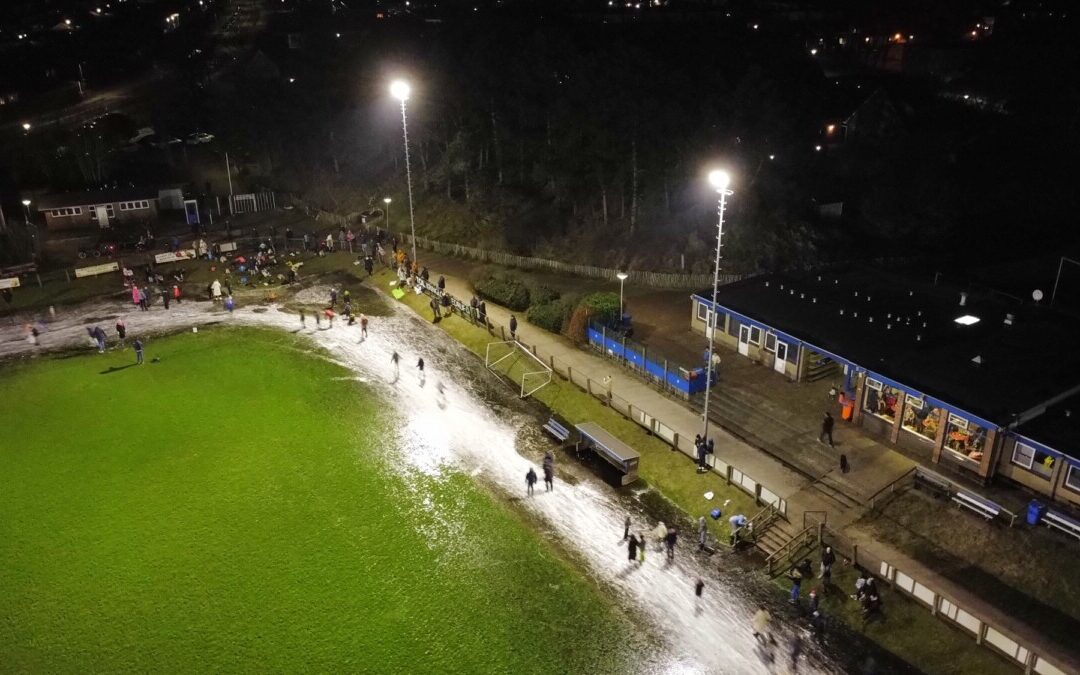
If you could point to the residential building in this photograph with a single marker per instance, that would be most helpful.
(101, 208)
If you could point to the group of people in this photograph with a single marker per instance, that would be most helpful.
(704, 448)
(548, 468)
(99, 340)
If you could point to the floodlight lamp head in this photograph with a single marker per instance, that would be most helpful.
(719, 179)
(622, 276)
(400, 90)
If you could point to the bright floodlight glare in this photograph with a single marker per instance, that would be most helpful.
(719, 179)
(386, 200)
(26, 202)
(400, 89)
(26, 126)
(967, 320)
(621, 276)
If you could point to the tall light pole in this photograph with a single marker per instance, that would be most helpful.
(386, 216)
(400, 90)
(621, 276)
(720, 180)
(26, 209)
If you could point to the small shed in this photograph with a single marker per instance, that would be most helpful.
(615, 452)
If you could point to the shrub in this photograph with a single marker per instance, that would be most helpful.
(542, 295)
(576, 326)
(602, 307)
(548, 315)
(509, 293)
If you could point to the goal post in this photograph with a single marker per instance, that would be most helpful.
(518, 364)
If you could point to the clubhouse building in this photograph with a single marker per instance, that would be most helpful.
(976, 381)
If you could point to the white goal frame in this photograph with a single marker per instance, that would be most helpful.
(517, 347)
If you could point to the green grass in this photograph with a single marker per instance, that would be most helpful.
(233, 508)
(910, 631)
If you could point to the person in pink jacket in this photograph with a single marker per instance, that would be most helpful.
(135, 293)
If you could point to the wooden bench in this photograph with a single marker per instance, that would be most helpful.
(987, 510)
(1062, 522)
(937, 485)
(557, 430)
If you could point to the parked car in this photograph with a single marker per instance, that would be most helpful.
(199, 138)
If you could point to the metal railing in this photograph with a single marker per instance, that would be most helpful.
(796, 543)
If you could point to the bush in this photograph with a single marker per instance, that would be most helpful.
(542, 295)
(577, 324)
(509, 293)
(548, 315)
(602, 307)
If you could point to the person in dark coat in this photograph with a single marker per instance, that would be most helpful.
(826, 429)
(513, 327)
(121, 329)
(670, 540)
(442, 283)
(165, 297)
(828, 559)
(631, 549)
(530, 480)
(549, 472)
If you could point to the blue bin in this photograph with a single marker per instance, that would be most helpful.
(1035, 512)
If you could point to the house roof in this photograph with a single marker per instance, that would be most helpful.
(906, 330)
(1058, 428)
(60, 200)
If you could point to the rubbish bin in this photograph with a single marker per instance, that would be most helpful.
(1035, 512)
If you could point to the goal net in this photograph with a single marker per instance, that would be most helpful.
(514, 361)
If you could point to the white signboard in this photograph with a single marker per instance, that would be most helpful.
(182, 254)
(228, 247)
(96, 269)
(10, 282)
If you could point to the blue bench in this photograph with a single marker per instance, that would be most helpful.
(558, 431)
(1060, 521)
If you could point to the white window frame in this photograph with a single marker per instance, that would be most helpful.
(760, 332)
(769, 335)
(915, 402)
(1031, 457)
(1069, 475)
(876, 385)
(109, 211)
(702, 308)
(958, 422)
(136, 205)
(66, 212)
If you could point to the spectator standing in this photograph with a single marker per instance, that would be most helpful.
(363, 325)
(165, 297)
(826, 429)
(513, 327)
(530, 481)
(138, 345)
(121, 330)
(549, 472)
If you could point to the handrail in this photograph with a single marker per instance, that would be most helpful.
(791, 545)
(891, 485)
(767, 515)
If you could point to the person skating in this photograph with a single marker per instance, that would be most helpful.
(702, 534)
(230, 304)
(670, 540)
(369, 265)
(138, 345)
(513, 327)
(99, 338)
(144, 300)
(395, 359)
(530, 481)
(121, 330)
(844, 467)
(795, 651)
(549, 472)
(215, 290)
(165, 297)
(318, 320)
(363, 326)
(826, 429)
(760, 623)
(333, 297)
(632, 548)
(303, 319)
(177, 294)
(626, 529)
(135, 295)
(420, 366)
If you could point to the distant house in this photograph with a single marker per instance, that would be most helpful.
(101, 208)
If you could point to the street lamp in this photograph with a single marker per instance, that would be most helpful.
(26, 127)
(720, 180)
(386, 216)
(621, 276)
(26, 209)
(400, 90)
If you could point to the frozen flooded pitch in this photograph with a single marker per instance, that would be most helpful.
(450, 427)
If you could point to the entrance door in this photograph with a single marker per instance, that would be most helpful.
(744, 340)
(780, 363)
(710, 319)
(102, 216)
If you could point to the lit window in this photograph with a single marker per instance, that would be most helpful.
(1072, 478)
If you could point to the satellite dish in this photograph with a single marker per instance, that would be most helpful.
(1037, 295)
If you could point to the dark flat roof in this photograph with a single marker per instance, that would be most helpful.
(905, 330)
(1057, 428)
(60, 200)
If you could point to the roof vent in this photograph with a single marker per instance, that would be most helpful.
(978, 360)
(1009, 318)
(963, 298)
